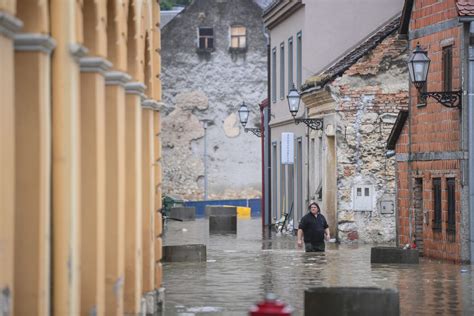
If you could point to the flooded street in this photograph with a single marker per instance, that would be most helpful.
(241, 268)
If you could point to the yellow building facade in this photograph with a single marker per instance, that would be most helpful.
(80, 157)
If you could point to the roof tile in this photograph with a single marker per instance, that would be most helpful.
(465, 7)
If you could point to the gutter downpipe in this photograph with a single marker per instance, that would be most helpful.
(266, 144)
(470, 116)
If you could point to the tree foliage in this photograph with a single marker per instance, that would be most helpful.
(169, 4)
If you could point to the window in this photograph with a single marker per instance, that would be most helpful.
(451, 227)
(299, 59)
(437, 204)
(447, 68)
(274, 180)
(206, 38)
(290, 63)
(274, 70)
(299, 179)
(282, 185)
(238, 38)
(282, 71)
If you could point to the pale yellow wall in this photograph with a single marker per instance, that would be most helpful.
(148, 180)
(92, 192)
(115, 198)
(33, 182)
(133, 204)
(65, 161)
(8, 6)
(7, 164)
(35, 16)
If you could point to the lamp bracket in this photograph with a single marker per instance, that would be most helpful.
(316, 124)
(255, 130)
(450, 99)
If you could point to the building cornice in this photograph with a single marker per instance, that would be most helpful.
(94, 64)
(117, 78)
(280, 11)
(78, 51)
(135, 88)
(430, 156)
(151, 104)
(9, 25)
(34, 42)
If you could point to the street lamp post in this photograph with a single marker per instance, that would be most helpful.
(418, 66)
(294, 99)
(244, 117)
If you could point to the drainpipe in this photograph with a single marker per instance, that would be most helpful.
(471, 140)
(264, 185)
(267, 142)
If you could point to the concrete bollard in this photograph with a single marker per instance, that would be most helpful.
(183, 213)
(366, 301)
(221, 224)
(220, 210)
(393, 255)
(185, 253)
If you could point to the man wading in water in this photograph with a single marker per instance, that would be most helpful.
(314, 227)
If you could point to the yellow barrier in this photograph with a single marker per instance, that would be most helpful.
(243, 212)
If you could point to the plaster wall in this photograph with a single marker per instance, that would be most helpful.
(212, 86)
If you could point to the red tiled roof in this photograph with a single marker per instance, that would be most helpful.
(465, 7)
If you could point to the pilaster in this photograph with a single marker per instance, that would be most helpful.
(33, 176)
(148, 228)
(115, 191)
(133, 197)
(9, 25)
(93, 184)
(66, 169)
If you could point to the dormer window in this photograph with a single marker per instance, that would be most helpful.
(206, 38)
(238, 37)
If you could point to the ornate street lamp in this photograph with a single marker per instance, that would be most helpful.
(294, 99)
(418, 66)
(244, 117)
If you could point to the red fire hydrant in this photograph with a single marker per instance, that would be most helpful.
(270, 306)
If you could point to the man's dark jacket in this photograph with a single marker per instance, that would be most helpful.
(313, 227)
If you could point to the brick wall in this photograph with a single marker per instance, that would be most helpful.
(431, 129)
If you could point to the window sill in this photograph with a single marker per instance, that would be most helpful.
(204, 50)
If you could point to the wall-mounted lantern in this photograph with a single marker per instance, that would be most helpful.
(418, 66)
(294, 99)
(244, 117)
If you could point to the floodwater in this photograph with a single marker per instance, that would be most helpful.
(242, 267)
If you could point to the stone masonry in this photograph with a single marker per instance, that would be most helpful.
(211, 85)
(368, 98)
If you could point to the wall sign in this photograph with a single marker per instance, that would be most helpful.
(287, 148)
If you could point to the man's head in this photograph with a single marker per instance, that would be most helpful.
(314, 208)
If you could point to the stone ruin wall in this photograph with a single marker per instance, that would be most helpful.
(369, 96)
(212, 86)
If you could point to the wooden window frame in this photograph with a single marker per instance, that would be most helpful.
(447, 64)
(451, 216)
(209, 43)
(437, 204)
(239, 38)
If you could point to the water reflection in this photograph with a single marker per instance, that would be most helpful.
(242, 267)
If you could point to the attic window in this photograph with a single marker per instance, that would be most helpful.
(206, 38)
(238, 38)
